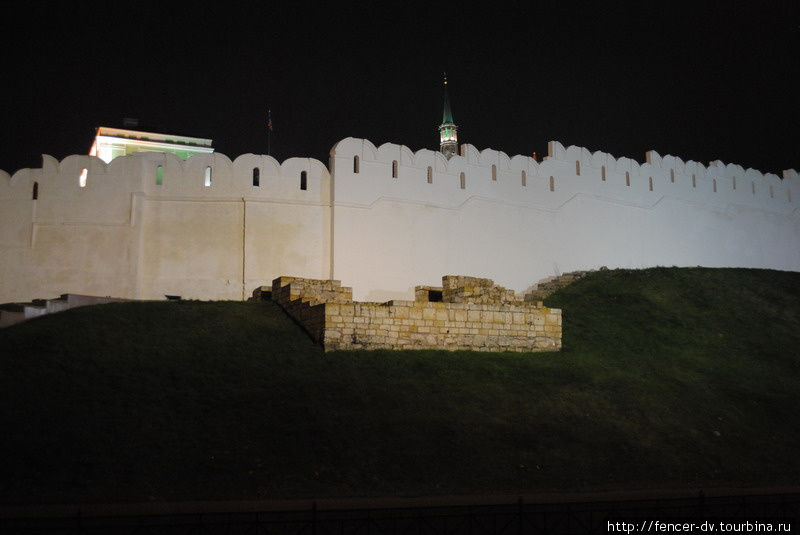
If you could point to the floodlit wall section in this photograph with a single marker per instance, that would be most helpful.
(151, 224)
(576, 210)
(70, 238)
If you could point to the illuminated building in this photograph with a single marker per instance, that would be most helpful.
(110, 143)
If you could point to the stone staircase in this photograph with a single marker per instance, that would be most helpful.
(546, 287)
(12, 313)
(303, 300)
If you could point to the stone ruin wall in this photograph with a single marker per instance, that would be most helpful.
(474, 314)
(305, 301)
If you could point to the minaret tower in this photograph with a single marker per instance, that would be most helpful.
(448, 131)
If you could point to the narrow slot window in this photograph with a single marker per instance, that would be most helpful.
(303, 180)
(552, 183)
(627, 178)
(394, 168)
(694, 181)
(355, 164)
(256, 177)
(578, 167)
(494, 172)
(651, 183)
(672, 175)
(430, 175)
(714, 184)
(82, 177)
(207, 179)
(603, 173)
(524, 178)
(35, 190)
(463, 179)
(159, 175)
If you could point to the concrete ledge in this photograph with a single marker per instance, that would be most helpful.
(12, 313)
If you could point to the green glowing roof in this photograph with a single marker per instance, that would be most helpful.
(447, 116)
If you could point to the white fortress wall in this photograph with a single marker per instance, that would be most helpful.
(391, 234)
(72, 238)
(204, 241)
(125, 235)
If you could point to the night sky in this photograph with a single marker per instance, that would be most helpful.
(717, 81)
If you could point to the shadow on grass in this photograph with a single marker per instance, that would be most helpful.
(668, 378)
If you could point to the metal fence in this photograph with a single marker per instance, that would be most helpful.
(500, 519)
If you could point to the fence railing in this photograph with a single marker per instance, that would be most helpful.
(514, 518)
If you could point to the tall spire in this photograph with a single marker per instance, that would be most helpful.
(448, 131)
(447, 116)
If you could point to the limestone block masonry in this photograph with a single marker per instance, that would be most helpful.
(473, 314)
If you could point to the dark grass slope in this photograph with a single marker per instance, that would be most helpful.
(679, 378)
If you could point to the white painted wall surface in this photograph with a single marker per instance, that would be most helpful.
(391, 234)
(124, 235)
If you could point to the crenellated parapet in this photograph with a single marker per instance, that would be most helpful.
(87, 179)
(468, 158)
(366, 174)
(690, 180)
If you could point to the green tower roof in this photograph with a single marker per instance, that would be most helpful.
(447, 116)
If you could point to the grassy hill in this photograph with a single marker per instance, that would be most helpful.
(669, 378)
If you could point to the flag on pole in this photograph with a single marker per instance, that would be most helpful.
(269, 131)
